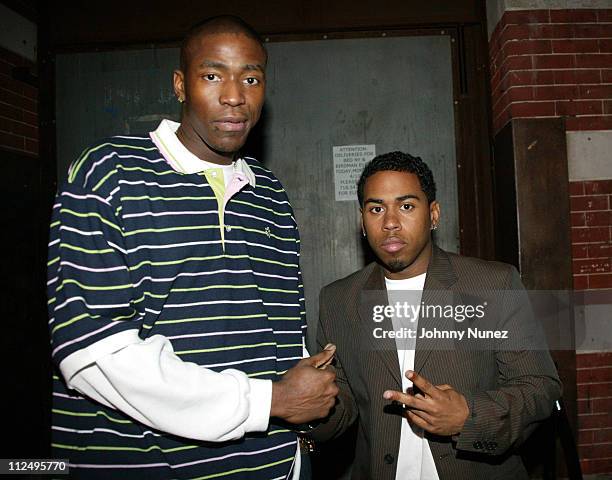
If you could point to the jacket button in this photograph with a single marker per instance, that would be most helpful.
(389, 458)
(477, 445)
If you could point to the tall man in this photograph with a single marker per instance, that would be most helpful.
(455, 407)
(175, 296)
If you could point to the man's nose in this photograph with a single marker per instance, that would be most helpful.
(232, 93)
(391, 221)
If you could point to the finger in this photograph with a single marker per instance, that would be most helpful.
(444, 387)
(422, 415)
(408, 400)
(424, 385)
(323, 358)
(418, 421)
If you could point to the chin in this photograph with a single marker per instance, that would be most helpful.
(396, 265)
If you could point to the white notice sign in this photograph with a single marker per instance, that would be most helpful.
(349, 161)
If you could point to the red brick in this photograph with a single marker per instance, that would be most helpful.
(578, 220)
(581, 107)
(500, 104)
(594, 390)
(592, 31)
(593, 202)
(585, 437)
(600, 281)
(588, 123)
(564, 77)
(11, 141)
(595, 91)
(590, 235)
(30, 118)
(593, 60)
(602, 435)
(576, 188)
(573, 16)
(562, 31)
(514, 32)
(583, 267)
(596, 359)
(555, 92)
(593, 467)
(595, 405)
(526, 16)
(599, 219)
(603, 450)
(526, 47)
(519, 94)
(8, 111)
(595, 420)
(18, 128)
(600, 251)
(581, 282)
(31, 146)
(545, 31)
(30, 92)
(579, 251)
(517, 63)
(575, 46)
(607, 107)
(532, 109)
(604, 15)
(554, 61)
(605, 45)
(588, 76)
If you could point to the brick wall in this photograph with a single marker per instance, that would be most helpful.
(18, 107)
(594, 372)
(551, 63)
(558, 63)
(591, 211)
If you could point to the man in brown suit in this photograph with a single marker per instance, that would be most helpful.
(465, 403)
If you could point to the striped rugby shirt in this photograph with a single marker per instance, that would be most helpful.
(139, 246)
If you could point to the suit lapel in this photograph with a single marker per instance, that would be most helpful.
(374, 294)
(436, 291)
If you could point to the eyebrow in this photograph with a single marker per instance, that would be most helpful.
(221, 65)
(397, 199)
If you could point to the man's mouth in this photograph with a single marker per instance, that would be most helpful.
(231, 124)
(392, 245)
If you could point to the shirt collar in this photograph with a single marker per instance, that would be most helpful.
(181, 159)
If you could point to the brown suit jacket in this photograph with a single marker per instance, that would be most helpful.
(510, 385)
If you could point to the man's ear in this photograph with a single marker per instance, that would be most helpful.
(178, 80)
(434, 213)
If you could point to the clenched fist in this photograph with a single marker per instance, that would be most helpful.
(307, 391)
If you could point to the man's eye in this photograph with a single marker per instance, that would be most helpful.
(211, 77)
(251, 81)
(407, 206)
(376, 209)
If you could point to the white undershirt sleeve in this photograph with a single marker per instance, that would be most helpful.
(146, 380)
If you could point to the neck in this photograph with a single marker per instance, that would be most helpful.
(196, 145)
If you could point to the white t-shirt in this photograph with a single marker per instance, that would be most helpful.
(415, 460)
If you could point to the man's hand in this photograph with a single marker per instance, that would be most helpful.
(307, 391)
(440, 409)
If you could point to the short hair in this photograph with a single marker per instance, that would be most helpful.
(399, 162)
(217, 24)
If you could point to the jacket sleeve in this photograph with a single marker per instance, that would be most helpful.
(528, 381)
(345, 411)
